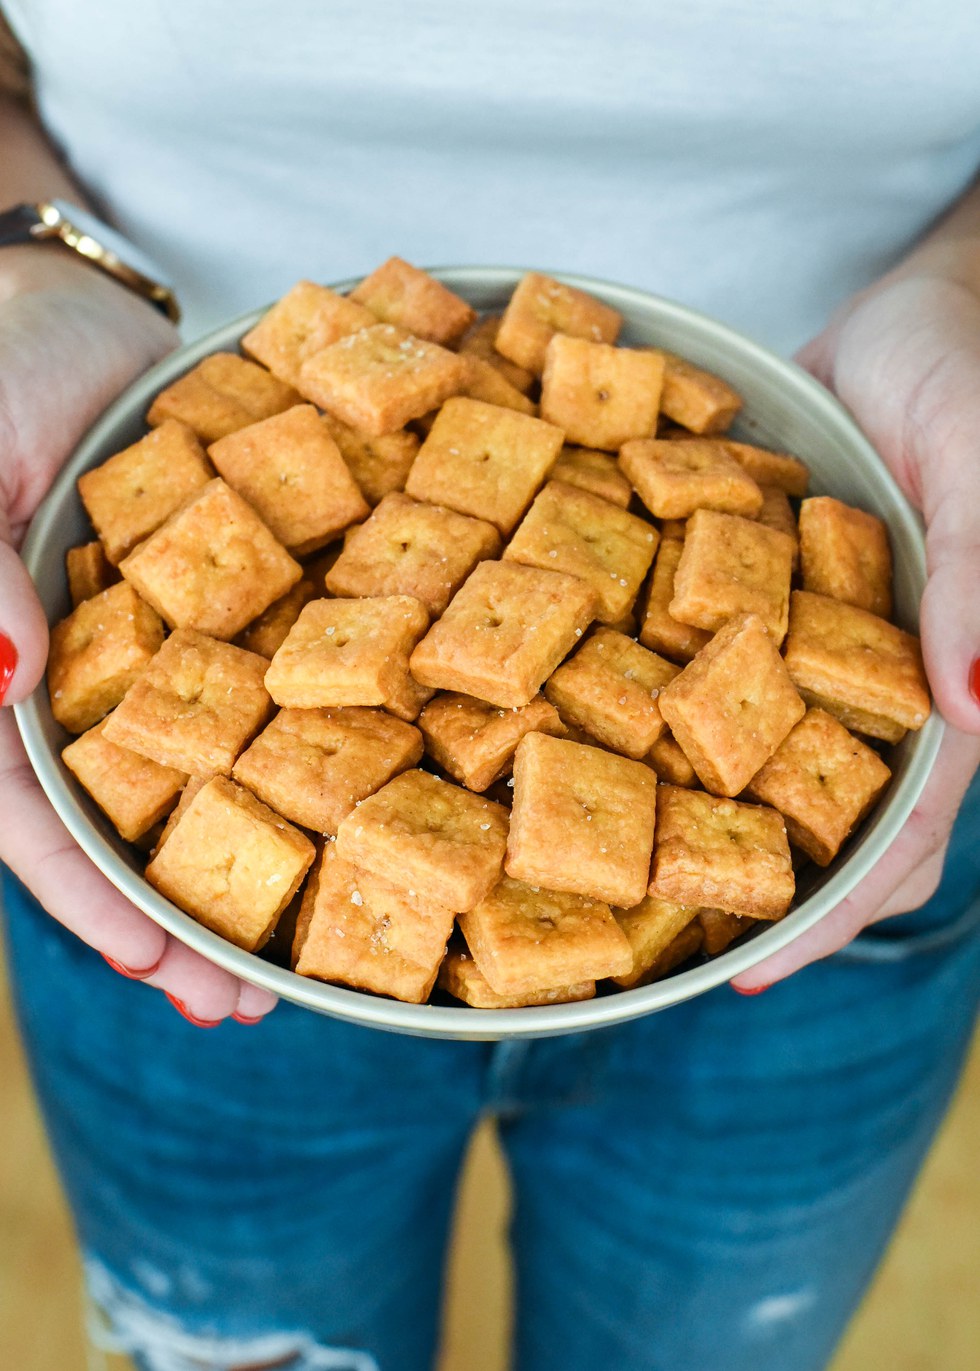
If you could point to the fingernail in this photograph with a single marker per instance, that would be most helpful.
(8, 664)
(755, 990)
(240, 1018)
(975, 680)
(128, 972)
(181, 1008)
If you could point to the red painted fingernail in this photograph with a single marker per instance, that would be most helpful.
(8, 664)
(975, 680)
(756, 990)
(181, 1008)
(240, 1018)
(126, 971)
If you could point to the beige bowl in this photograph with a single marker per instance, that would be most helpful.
(784, 408)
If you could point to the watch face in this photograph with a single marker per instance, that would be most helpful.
(85, 223)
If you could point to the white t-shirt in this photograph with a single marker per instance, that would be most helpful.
(758, 159)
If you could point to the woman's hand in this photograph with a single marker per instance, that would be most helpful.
(905, 359)
(70, 340)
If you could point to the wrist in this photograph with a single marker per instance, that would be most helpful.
(942, 260)
(44, 269)
(29, 267)
(66, 228)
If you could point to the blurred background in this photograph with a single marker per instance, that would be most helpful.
(922, 1313)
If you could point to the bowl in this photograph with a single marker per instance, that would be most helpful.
(784, 408)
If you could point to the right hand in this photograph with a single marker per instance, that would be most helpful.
(70, 340)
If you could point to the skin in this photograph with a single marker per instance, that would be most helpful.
(71, 337)
(903, 356)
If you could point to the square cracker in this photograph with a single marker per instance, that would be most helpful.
(582, 820)
(220, 394)
(131, 494)
(858, 667)
(462, 978)
(732, 706)
(650, 928)
(721, 854)
(480, 342)
(823, 781)
(231, 863)
(314, 765)
(378, 465)
(539, 308)
(777, 513)
(290, 471)
(358, 929)
(484, 461)
(601, 396)
(681, 949)
(659, 629)
(770, 468)
(610, 688)
(408, 547)
(719, 929)
(213, 566)
(380, 378)
(697, 399)
(668, 760)
(436, 840)
(398, 293)
(89, 572)
(567, 529)
(731, 566)
(504, 633)
(408, 698)
(195, 706)
(475, 741)
(132, 791)
(347, 652)
(97, 653)
(845, 554)
(485, 382)
(594, 471)
(267, 633)
(673, 479)
(307, 319)
(525, 939)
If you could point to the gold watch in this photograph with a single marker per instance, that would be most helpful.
(104, 247)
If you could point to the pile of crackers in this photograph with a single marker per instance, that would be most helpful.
(409, 631)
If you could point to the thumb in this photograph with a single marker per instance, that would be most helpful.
(906, 364)
(23, 628)
(950, 612)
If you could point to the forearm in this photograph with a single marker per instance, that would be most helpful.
(30, 168)
(30, 171)
(951, 248)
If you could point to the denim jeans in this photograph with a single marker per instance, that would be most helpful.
(707, 1189)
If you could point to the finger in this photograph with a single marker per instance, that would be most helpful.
(41, 852)
(906, 364)
(22, 623)
(38, 848)
(902, 880)
(912, 892)
(950, 610)
(254, 1002)
(203, 991)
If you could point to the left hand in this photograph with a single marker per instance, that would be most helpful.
(904, 356)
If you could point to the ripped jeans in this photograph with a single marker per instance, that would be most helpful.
(708, 1189)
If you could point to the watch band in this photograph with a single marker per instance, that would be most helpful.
(104, 247)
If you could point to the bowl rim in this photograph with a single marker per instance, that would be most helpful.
(450, 1021)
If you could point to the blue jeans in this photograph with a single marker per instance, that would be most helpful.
(708, 1189)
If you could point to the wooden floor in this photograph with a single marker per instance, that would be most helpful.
(921, 1315)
